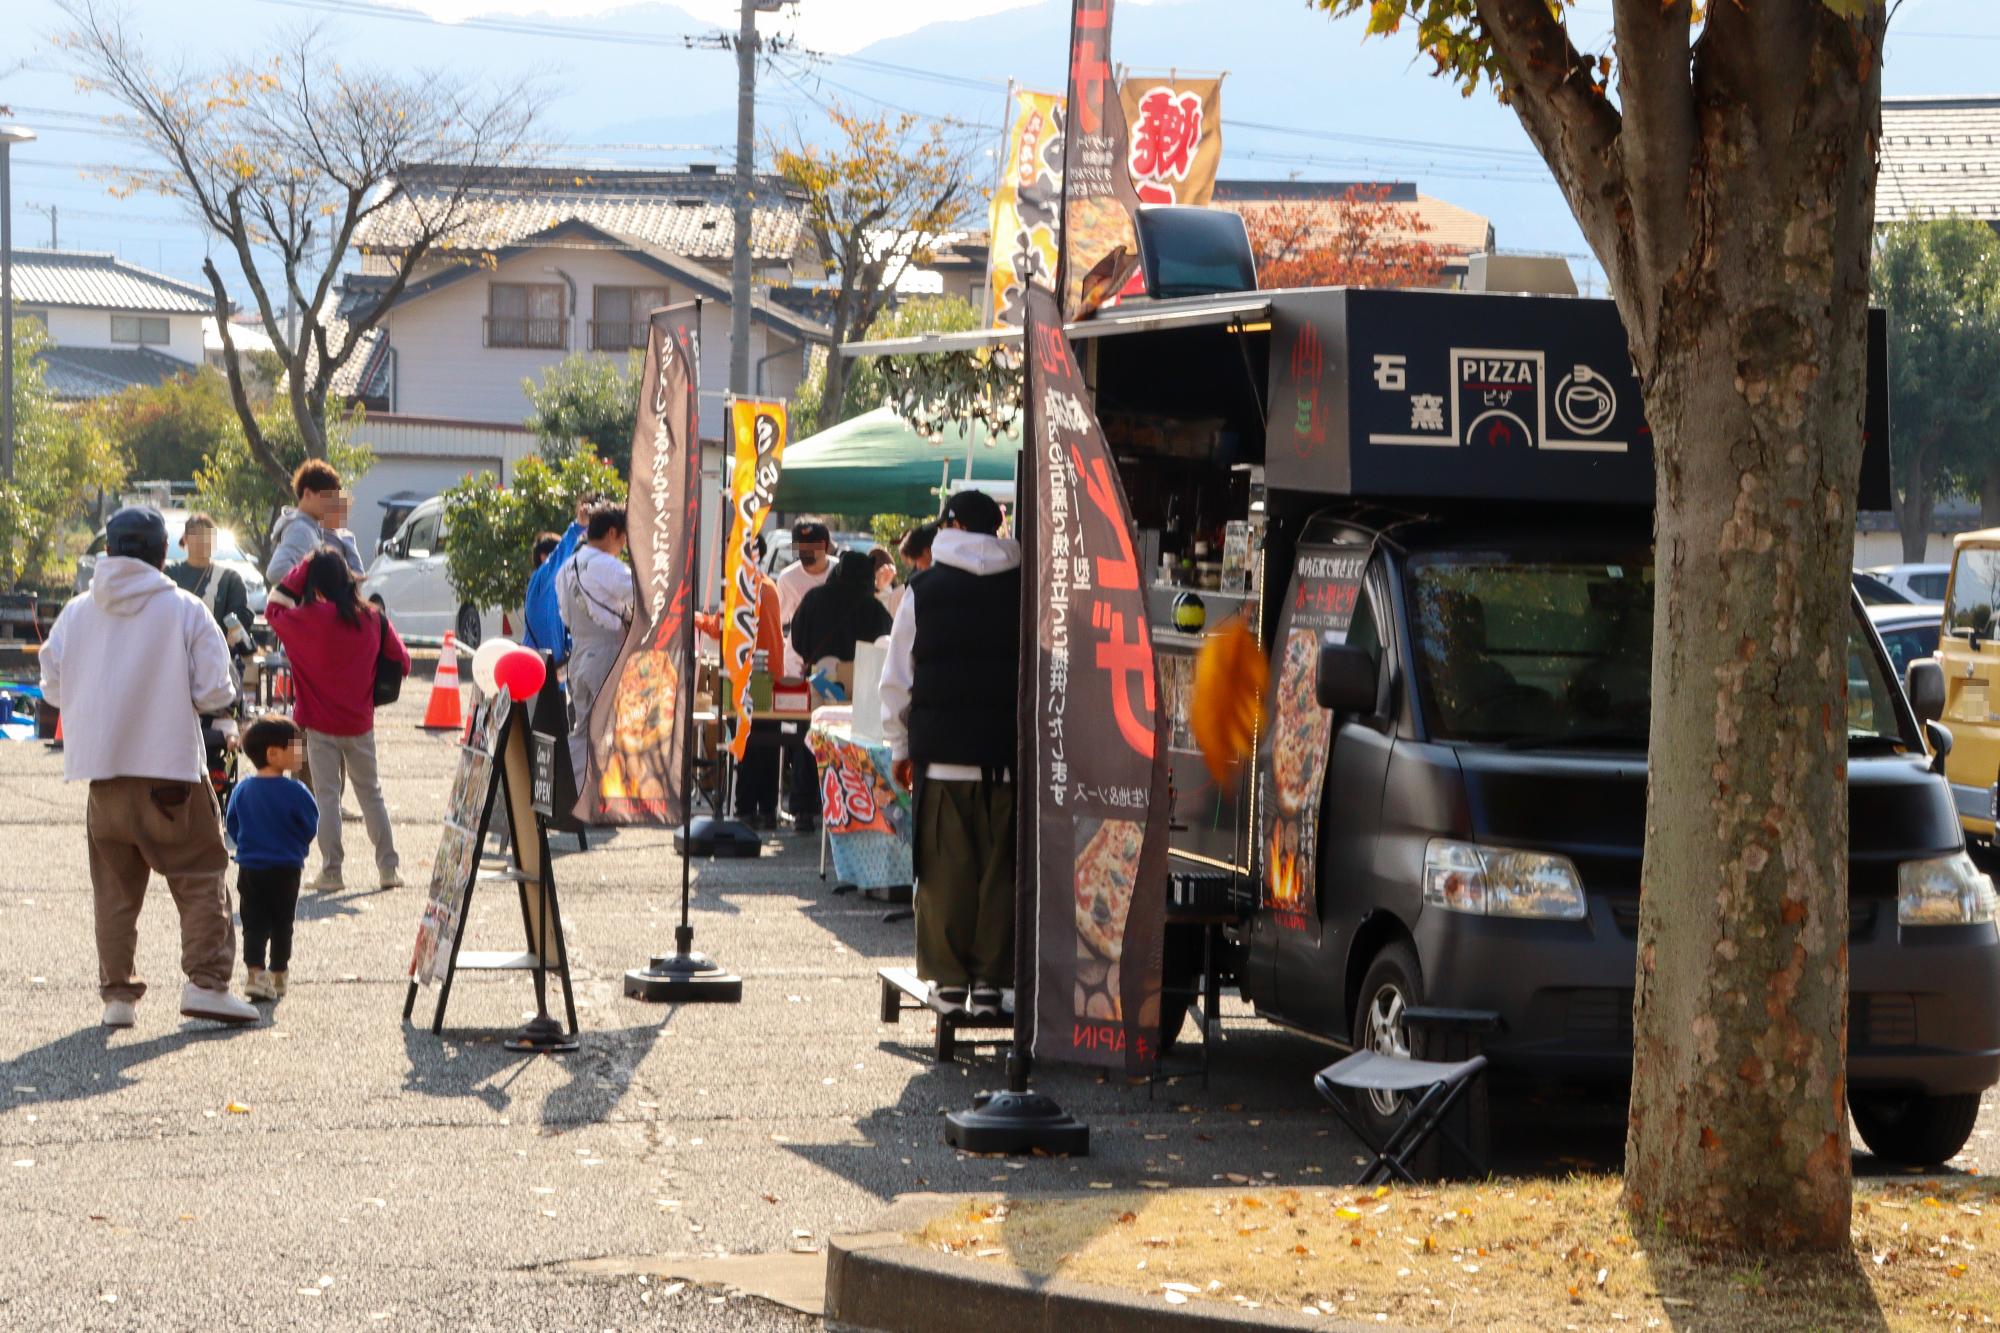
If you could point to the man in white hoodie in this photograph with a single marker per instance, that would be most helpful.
(133, 663)
(950, 709)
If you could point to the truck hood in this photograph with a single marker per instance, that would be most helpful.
(1592, 809)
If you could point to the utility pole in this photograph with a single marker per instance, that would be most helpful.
(746, 161)
(9, 136)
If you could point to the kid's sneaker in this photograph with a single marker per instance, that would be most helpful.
(259, 986)
(276, 982)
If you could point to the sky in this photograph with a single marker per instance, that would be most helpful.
(1306, 96)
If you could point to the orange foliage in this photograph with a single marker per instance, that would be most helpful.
(1358, 240)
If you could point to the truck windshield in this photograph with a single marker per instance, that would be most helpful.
(1535, 653)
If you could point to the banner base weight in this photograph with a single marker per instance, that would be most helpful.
(542, 1036)
(718, 837)
(1015, 1123)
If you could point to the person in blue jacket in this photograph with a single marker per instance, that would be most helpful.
(544, 630)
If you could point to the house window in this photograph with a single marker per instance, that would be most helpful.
(526, 314)
(146, 330)
(619, 317)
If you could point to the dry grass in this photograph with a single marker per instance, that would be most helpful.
(1498, 1255)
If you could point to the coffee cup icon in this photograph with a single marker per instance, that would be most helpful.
(1585, 401)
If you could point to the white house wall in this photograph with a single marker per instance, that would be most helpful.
(444, 368)
(428, 457)
(78, 327)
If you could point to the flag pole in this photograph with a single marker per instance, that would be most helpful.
(687, 976)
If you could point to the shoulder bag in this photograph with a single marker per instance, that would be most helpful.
(388, 671)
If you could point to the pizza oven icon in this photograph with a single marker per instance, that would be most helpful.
(1585, 401)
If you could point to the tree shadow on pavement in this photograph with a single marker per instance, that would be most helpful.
(473, 1063)
(1812, 1291)
(91, 1063)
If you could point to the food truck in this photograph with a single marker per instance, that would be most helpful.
(1435, 511)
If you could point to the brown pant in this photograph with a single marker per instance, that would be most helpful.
(141, 825)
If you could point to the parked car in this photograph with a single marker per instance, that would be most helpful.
(1923, 583)
(1909, 631)
(1874, 592)
(408, 581)
(228, 554)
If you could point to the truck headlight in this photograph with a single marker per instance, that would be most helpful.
(1943, 891)
(1501, 881)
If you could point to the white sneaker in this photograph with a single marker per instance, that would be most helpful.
(328, 881)
(222, 1007)
(120, 1014)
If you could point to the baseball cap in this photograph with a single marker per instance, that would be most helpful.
(811, 530)
(975, 511)
(137, 531)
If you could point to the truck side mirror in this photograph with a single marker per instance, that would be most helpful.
(1347, 679)
(1924, 679)
(1939, 736)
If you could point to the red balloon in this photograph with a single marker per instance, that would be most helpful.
(520, 673)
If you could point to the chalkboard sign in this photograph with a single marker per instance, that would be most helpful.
(544, 759)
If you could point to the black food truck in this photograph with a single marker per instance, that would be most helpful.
(1435, 510)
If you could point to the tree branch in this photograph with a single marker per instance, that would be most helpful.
(232, 364)
(1659, 135)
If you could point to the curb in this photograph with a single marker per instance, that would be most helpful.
(877, 1282)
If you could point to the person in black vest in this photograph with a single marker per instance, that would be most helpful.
(950, 713)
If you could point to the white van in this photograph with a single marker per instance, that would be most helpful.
(409, 582)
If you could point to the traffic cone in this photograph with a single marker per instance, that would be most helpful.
(443, 713)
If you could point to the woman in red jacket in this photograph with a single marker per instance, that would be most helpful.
(332, 641)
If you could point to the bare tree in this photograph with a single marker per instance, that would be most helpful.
(283, 159)
(875, 203)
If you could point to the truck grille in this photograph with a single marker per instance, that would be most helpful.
(1881, 1019)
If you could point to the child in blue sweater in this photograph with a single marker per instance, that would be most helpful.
(272, 820)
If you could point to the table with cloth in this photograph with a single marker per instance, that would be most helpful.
(868, 818)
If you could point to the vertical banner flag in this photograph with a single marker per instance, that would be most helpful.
(1175, 127)
(1098, 776)
(1022, 228)
(638, 724)
(758, 428)
(1100, 245)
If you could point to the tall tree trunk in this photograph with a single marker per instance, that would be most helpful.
(1915, 505)
(1752, 346)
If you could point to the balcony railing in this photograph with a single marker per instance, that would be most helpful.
(617, 335)
(515, 331)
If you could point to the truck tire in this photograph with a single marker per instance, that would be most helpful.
(469, 629)
(1914, 1128)
(1393, 984)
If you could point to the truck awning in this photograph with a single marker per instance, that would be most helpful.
(1133, 317)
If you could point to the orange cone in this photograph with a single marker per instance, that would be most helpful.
(443, 713)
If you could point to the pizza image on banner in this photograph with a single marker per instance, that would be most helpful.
(641, 744)
(1106, 873)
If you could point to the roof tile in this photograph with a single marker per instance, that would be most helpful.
(82, 278)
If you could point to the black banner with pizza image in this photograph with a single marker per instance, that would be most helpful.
(639, 720)
(1095, 766)
(1319, 606)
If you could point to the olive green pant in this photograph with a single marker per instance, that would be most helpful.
(965, 882)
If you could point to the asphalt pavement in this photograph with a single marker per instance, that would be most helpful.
(334, 1167)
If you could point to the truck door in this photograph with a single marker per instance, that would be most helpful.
(1312, 961)
(1320, 795)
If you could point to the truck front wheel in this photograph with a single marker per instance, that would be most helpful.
(1914, 1128)
(1393, 984)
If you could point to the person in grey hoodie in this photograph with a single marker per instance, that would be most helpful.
(131, 663)
(319, 519)
(950, 714)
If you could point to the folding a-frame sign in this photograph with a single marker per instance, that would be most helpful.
(493, 763)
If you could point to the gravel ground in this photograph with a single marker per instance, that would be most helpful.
(383, 1177)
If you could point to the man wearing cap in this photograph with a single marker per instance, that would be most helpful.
(133, 663)
(950, 713)
(813, 545)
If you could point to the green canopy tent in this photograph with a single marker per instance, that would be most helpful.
(876, 464)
